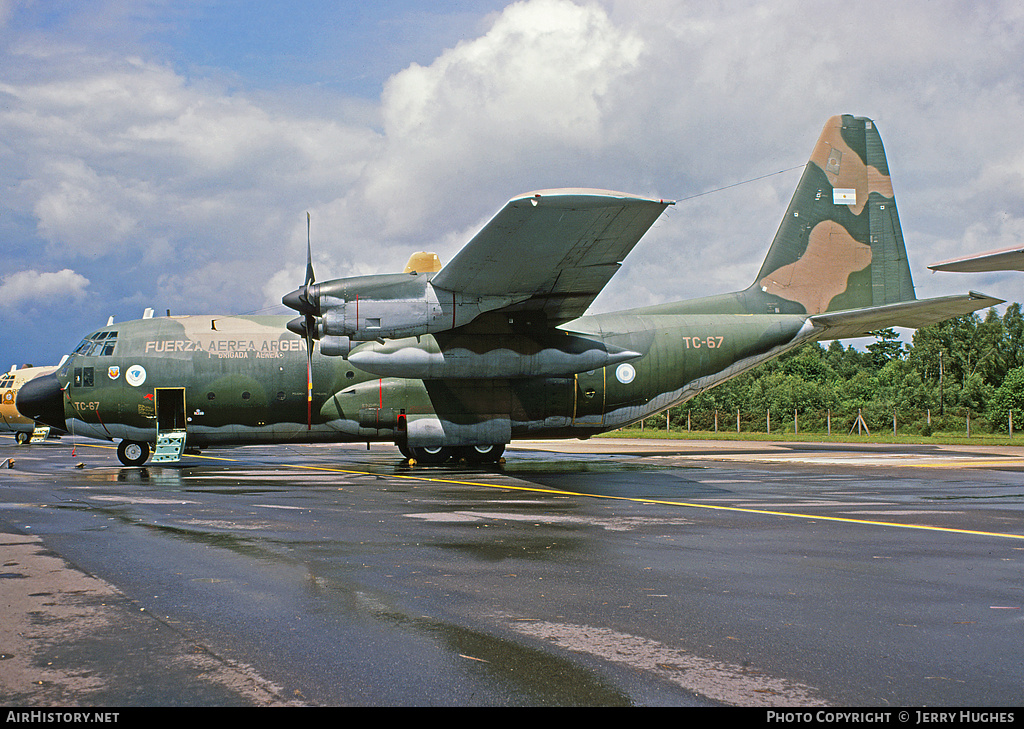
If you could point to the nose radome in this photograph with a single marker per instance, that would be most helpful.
(42, 400)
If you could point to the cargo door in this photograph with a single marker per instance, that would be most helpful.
(170, 424)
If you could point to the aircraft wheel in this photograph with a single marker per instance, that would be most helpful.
(21, 437)
(131, 453)
(432, 454)
(484, 453)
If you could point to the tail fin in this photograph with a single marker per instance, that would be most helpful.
(840, 245)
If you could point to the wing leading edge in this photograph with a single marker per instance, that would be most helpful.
(551, 250)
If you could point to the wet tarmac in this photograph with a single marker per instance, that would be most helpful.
(598, 573)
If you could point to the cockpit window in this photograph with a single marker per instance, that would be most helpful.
(100, 344)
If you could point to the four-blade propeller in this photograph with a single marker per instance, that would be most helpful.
(305, 301)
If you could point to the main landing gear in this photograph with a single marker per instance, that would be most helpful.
(490, 453)
(132, 453)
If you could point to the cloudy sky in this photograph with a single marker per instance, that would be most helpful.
(164, 154)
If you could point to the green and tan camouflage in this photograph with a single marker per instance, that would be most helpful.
(462, 359)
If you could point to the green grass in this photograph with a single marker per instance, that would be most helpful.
(883, 437)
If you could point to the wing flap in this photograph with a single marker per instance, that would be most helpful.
(556, 249)
(909, 314)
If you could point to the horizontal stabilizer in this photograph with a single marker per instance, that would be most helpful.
(909, 314)
(1006, 259)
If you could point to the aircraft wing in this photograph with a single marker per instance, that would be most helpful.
(909, 314)
(551, 250)
(1006, 259)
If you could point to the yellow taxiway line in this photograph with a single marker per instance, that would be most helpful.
(633, 499)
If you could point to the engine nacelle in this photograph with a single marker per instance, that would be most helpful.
(383, 306)
(366, 319)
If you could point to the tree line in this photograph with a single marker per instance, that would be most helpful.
(966, 372)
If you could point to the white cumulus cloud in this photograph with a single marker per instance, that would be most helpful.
(41, 289)
(533, 93)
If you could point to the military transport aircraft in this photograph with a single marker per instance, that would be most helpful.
(460, 359)
(10, 419)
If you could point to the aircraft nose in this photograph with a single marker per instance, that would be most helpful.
(42, 400)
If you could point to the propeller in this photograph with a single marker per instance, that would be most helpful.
(306, 301)
(309, 324)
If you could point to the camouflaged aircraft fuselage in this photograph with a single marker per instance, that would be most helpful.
(244, 382)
